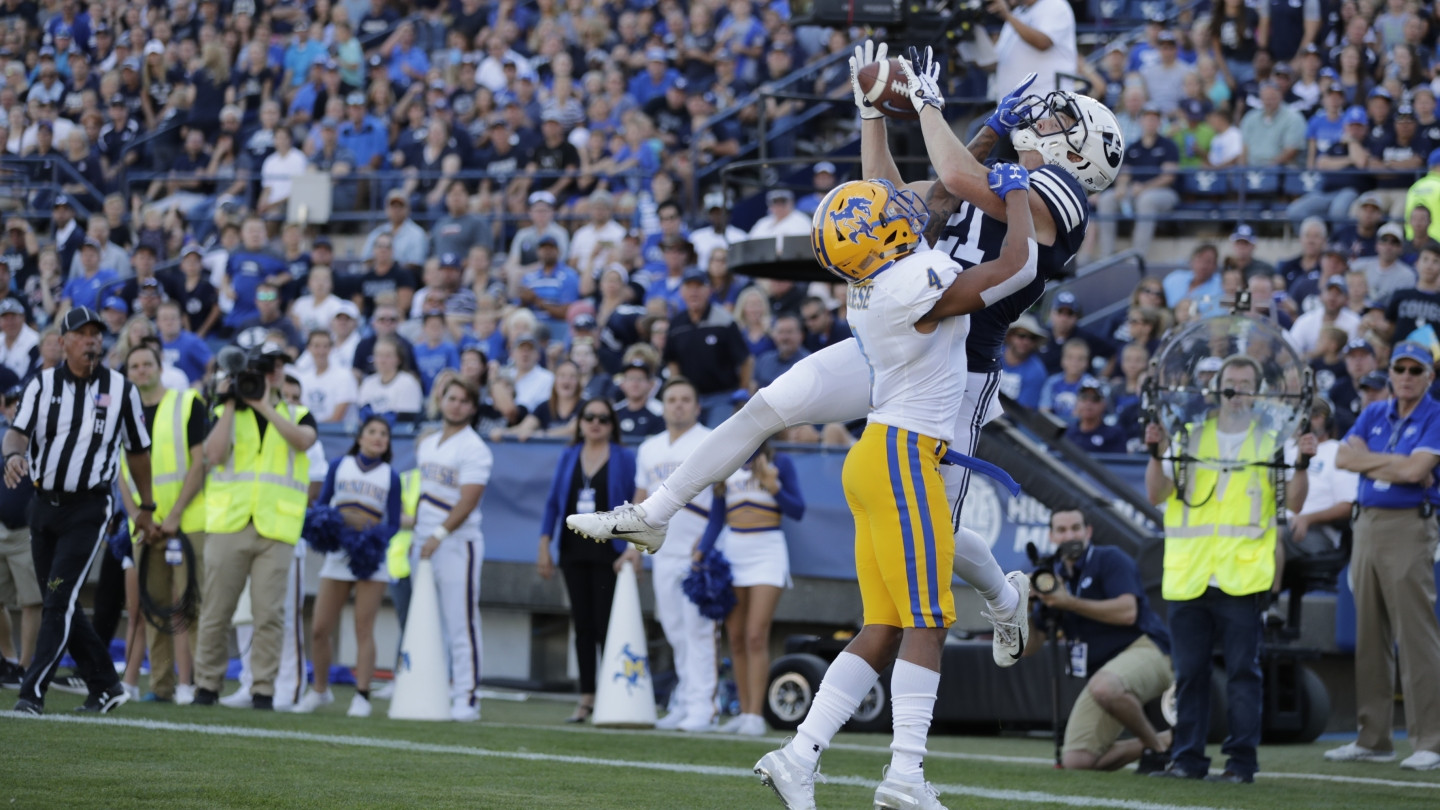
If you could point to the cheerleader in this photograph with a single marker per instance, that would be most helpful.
(750, 505)
(366, 490)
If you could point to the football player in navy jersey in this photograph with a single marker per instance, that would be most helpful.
(1071, 144)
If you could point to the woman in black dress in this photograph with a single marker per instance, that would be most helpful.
(595, 473)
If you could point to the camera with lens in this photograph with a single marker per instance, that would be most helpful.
(1044, 579)
(247, 371)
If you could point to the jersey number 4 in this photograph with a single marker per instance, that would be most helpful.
(968, 252)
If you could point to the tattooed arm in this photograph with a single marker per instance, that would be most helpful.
(939, 199)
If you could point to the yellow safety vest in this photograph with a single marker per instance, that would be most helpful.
(264, 480)
(1230, 532)
(397, 556)
(170, 461)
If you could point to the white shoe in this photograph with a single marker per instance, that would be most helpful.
(184, 694)
(463, 711)
(132, 692)
(753, 726)
(732, 726)
(698, 725)
(625, 523)
(311, 701)
(1013, 632)
(239, 699)
(792, 781)
(898, 794)
(384, 692)
(1353, 752)
(671, 721)
(359, 707)
(1421, 761)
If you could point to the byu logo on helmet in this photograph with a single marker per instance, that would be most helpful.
(853, 220)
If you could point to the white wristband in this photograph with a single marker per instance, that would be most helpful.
(440, 533)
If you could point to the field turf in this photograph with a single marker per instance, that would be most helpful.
(521, 756)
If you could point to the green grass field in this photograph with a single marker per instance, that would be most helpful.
(521, 756)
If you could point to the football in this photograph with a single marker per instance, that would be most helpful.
(884, 86)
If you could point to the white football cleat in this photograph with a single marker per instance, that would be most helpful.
(184, 694)
(464, 710)
(791, 780)
(625, 523)
(1354, 752)
(1421, 761)
(754, 726)
(359, 707)
(670, 722)
(898, 794)
(1012, 633)
(311, 701)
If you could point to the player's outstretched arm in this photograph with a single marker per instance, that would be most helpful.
(959, 171)
(988, 282)
(876, 162)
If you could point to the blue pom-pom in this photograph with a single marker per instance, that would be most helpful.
(366, 549)
(324, 526)
(708, 586)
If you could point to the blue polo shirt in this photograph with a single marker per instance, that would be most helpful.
(1383, 431)
(560, 285)
(188, 353)
(1105, 572)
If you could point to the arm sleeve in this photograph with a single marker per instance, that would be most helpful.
(198, 426)
(551, 514)
(475, 469)
(790, 499)
(132, 415)
(327, 490)
(393, 506)
(713, 525)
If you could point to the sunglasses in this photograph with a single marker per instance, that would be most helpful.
(602, 418)
(265, 296)
(1413, 371)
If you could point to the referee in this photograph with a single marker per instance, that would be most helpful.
(69, 426)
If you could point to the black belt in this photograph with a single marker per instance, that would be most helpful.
(60, 497)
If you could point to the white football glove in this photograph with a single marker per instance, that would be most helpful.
(924, 85)
(865, 54)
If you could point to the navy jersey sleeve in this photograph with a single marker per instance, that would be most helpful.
(1065, 199)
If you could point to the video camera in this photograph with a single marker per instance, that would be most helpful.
(1043, 578)
(931, 19)
(247, 370)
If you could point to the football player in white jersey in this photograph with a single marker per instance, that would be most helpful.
(454, 469)
(1067, 142)
(909, 307)
(691, 636)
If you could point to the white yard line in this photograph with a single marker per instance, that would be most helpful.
(1029, 796)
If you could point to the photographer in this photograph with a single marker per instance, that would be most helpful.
(255, 501)
(1115, 640)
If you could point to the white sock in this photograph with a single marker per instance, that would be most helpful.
(721, 453)
(912, 689)
(845, 684)
(976, 565)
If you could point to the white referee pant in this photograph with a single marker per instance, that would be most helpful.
(457, 583)
(690, 635)
(290, 680)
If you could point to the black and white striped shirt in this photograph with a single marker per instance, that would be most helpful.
(75, 427)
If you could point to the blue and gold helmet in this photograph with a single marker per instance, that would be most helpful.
(863, 226)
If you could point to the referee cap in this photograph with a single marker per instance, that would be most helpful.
(78, 317)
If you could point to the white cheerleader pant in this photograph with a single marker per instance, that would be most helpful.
(290, 680)
(457, 584)
(691, 638)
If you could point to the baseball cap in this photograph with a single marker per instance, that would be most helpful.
(1209, 365)
(450, 259)
(92, 242)
(1380, 92)
(1370, 198)
(117, 303)
(1066, 300)
(655, 55)
(1027, 323)
(1375, 380)
(551, 115)
(154, 46)
(1243, 233)
(1283, 69)
(348, 309)
(775, 195)
(355, 99)
(825, 166)
(150, 285)
(1166, 36)
(322, 241)
(133, 63)
(547, 239)
(1410, 350)
(715, 199)
(1391, 229)
(1404, 111)
(695, 274)
(11, 307)
(1359, 345)
(375, 61)
(329, 123)
(584, 321)
(639, 364)
(1355, 115)
(526, 337)
(396, 194)
(1150, 108)
(61, 199)
(1337, 282)
(1090, 383)
(542, 197)
(1335, 87)
(79, 317)
(191, 248)
(117, 100)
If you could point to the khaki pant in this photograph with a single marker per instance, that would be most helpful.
(1393, 573)
(229, 560)
(18, 585)
(165, 583)
(1146, 674)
